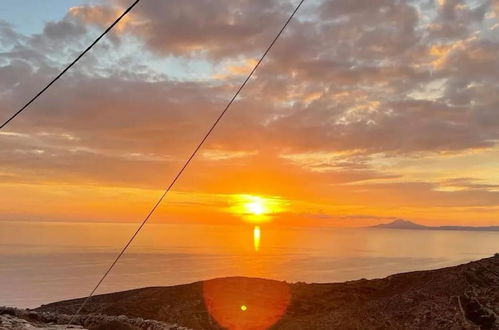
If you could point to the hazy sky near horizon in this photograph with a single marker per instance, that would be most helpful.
(363, 111)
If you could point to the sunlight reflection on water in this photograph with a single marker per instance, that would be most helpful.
(43, 262)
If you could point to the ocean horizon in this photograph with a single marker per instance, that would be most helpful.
(43, 262)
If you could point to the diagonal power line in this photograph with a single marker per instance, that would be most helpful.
(50, 83)
(187, 162)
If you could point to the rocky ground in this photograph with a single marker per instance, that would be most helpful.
(460, 297)
(11, 322)
(20, 319)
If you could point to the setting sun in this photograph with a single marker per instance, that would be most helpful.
(256, 209)
(257, 206)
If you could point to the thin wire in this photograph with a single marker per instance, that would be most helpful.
(18, 112)
(215, 123)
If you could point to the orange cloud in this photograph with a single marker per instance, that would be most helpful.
(237, 69)
(101, 16)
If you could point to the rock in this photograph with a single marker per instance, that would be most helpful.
(113, 325)
(11, 322)
(20, 319)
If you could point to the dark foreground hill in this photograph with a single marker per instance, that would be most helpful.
(460, 297)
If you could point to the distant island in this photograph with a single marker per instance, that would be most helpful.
(405, 224)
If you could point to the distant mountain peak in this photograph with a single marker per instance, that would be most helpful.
(406, 224)
(400, 224)
(402, 221)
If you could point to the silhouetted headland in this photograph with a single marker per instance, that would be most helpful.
(405, 224)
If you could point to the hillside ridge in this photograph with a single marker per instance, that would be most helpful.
(458, 297)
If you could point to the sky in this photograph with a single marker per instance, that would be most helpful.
(364, 111)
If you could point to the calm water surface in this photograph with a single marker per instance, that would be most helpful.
(45, 262)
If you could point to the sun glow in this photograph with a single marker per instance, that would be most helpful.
(257, 206)
(256, 209)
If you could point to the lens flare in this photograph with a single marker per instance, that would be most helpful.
(240, 303)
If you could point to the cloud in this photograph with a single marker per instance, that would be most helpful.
(461, 184)
(334, 81)
(349, 84)
(214, 28)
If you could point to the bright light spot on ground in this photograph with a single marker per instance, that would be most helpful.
(244, 308)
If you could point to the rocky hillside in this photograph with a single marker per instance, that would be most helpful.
(460, 297)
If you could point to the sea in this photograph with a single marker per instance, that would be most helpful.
(43, 262)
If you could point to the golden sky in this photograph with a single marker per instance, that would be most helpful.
(363, 112)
